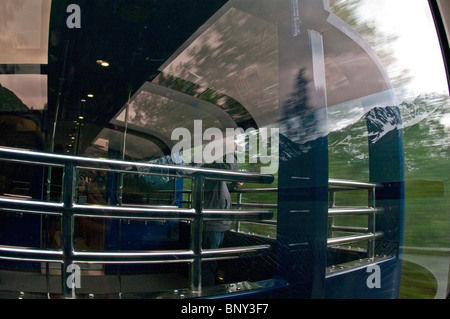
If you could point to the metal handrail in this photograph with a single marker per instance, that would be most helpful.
(357, 234)
(31, 254)
(68, 210)
(349, 211)
(342, 184)
(350, 239)
(34, 157)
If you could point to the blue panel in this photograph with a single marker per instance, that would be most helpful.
(303, 152)
(361, 283)
(386, 146)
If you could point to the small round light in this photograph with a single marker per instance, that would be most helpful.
(103, 63)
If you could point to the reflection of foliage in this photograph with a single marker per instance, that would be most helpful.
(228, 64)
(421, 285)
(348, 152)
(141, 116)
(10, 102)
(426, 144)
(347, 10)
(235, 109)
(426, 149)
(426, 137)
(298, 101)
(302, 122)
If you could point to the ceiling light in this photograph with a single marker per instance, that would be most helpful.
(90, 95)
(103, 63)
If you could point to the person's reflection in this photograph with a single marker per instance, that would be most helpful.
(217, 196)
(92, 190)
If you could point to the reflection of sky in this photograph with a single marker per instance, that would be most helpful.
(417, 47)
(342, 115)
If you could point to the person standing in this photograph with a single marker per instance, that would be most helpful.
(216, 196)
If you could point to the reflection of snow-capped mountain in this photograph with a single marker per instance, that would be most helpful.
(289, 149)
(382, 121)
(425, 134)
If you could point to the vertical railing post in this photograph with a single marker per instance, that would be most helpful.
(67, 229)
(196, 235)
(190, 200)
(372, 223)
(331, 204)
(237, 225)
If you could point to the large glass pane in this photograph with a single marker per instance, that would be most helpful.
(403, 35)
(339, 104)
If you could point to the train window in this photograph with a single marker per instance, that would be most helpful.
(403, 35)
(303, 138)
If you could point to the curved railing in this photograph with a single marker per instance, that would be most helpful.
(68, 209)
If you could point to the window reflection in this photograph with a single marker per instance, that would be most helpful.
(404, 37)
(239, 69)
(23, 92)
(232, 57)
(24, 26)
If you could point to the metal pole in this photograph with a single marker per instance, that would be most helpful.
(372, 223)
(196, 235)
(67, 228)
(239, 203)
(331, 204)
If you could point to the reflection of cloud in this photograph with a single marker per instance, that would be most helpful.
(412, 23)
(31, 89)
(343, 115)
(445, 120)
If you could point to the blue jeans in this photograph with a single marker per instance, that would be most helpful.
(211, 240)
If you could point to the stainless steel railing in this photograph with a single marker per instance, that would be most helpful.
(68, 209)
(354, 234)
(241, 204)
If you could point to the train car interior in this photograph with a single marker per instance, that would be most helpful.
(113, 113)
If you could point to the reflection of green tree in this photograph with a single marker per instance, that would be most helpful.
(348, 152)
(235, 109)
(10, 102)
(347, 10)
(426, 144)
(424, 285)
(427, 151)
(228, 65)
(426, 138)
(348, 148)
